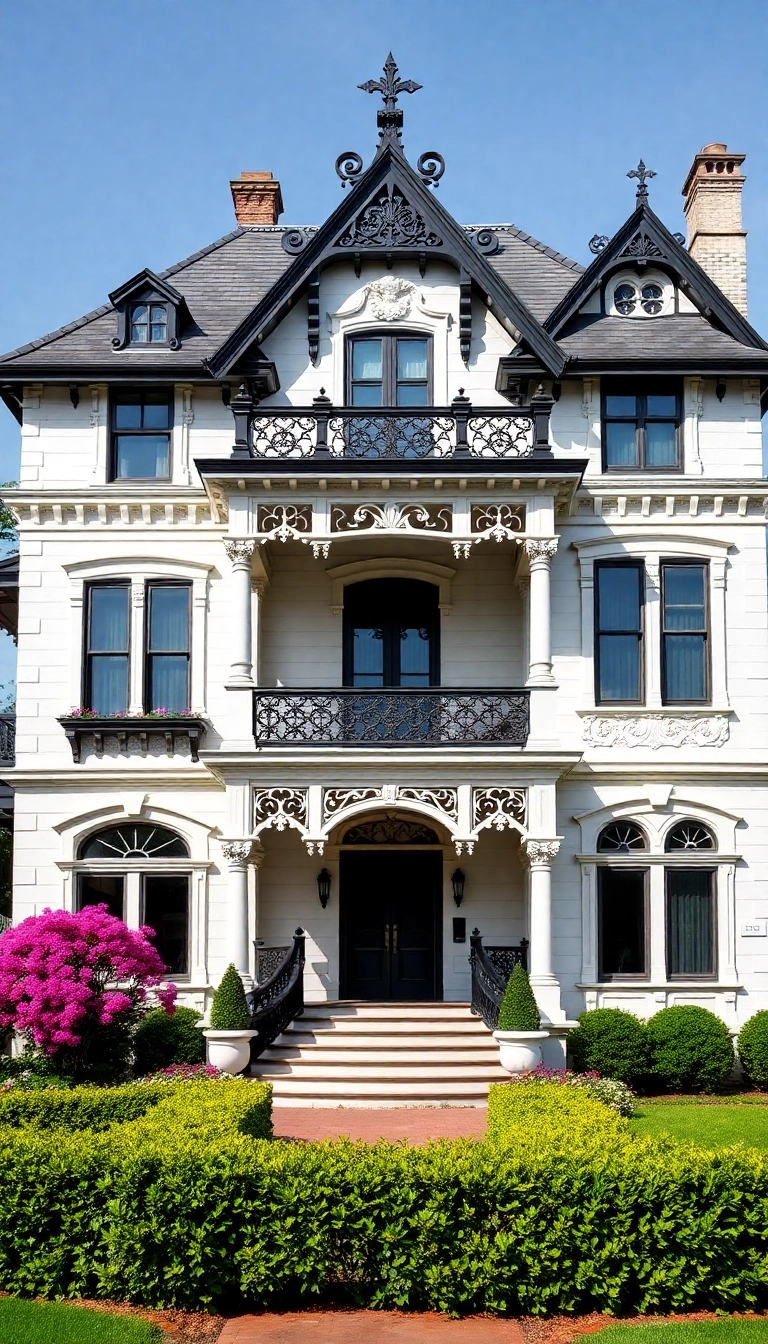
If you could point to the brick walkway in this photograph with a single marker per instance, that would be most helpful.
(375, 1327)
(416, 1124)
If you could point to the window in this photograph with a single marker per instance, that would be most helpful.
(141, 438)
(134, 841)
(689, 835)
(107, 648)
(149, 324)
(101, 889)
(622, 920)
(167, 643)
(684, 637)
(619, 632)
(391, 633)
(620, 837)
(389, 370)
(638, 300)
(690, 923)
(641, 428)
(166, 910)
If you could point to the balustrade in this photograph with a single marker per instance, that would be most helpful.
(390, 718)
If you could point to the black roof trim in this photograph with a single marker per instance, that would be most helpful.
(388, 165)
(643, 219)
(141, 281)
(387, 467)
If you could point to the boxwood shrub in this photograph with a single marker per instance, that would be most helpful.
(561, 1209)
(753, 1048)
(690, 1049)
(612, 1042)
(163, 1039)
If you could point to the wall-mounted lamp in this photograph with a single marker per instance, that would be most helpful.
(324, 886)
(226, 393)
(557, 391)
(74, 395)
(720, 389)
(457, 882)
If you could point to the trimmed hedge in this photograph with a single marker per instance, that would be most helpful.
(87, 1107)
(753, 1048)
(168, 1038)
(612, 1042)
(562, 1209)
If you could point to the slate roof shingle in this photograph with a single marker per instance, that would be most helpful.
(679, 336)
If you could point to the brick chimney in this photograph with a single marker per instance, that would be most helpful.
(257, 198)
(716, 239)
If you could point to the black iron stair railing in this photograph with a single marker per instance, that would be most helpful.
(280, 999)
(491, 968)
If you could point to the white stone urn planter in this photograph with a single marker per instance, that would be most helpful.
(520, 1051)
(229, 1051)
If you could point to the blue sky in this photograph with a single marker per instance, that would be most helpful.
(123, 121)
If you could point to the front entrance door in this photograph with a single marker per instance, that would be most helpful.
(390, 908)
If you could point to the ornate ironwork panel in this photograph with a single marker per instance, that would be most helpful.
(353, 717)
(389, 221)
(268, 960)
(7, 737)
(391, 831)
(388, 436)
(280, 999)
(491, 968)
(285, 435)
(500, 436)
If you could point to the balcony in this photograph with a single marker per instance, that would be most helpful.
(452, 436)
(391, 718)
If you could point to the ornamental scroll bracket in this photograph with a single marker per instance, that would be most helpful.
(284, 809)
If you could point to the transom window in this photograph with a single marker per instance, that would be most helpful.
(136, 841)
(641, 427)
(620, 837)
(141, 433)
(149, 324)
(389, 370)
(619, 601)
(689, 835)
(391, 633)
(685, 634)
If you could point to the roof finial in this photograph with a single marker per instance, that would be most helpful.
(389, 118)
(642, 174)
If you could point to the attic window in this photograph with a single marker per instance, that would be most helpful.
(630, 296)
(149, 324)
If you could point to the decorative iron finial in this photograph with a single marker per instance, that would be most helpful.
(642, 174)
(389, 118)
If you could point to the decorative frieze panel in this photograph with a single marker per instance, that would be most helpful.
(444, 801)
(285, 522)
(390, 518)
(655, 730)
(499, 808)
(114, 512)
(279, 808)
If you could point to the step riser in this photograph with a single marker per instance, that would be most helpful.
(435, 1059)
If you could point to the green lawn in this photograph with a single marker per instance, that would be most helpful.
(55, 1323)
(711, 1126)
(727, 1331)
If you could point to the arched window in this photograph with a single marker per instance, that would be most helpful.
(391, 831)
(148, 891)
(619, 837)
(689, 835)
(391, 634)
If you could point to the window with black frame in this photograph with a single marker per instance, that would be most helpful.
(619, 605)
(167, 646)
(391, 634)
(641, 427)
(141, 419)
(622, 920)
(149, 324)
(389, 370)
(107, 648)
(685, 632)
(690, 904)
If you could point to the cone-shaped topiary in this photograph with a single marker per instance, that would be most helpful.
(518, 1011)
(229, 1010)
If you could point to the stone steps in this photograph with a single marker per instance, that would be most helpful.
(381, 1054)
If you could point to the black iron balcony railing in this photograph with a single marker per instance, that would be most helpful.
(7, 739)
(391, 434)
(491, 968)
(438, 717)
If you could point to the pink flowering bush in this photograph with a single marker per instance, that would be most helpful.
(613, 1093)
(186, 1073)
(74, 984)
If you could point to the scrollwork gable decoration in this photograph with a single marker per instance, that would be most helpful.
(655, 730)
(641, 245)
(389, 221)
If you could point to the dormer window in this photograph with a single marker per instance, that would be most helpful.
(149, 324)
(640, 296)
(628, 298)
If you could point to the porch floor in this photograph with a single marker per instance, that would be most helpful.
(413, 1124)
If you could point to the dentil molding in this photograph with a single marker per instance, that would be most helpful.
(655, 730)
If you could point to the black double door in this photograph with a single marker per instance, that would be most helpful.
(390, 908)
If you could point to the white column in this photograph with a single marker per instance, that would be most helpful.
(539, 639)
(237, 854)
(258, 588)
(539, 855)
(240, 553)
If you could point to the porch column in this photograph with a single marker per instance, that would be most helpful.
(539, 640)
(237, 854)
(538, 855)
(240, 553)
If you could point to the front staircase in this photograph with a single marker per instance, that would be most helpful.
(382, 1054)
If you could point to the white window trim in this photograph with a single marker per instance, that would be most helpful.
(356, 315)
(137, 572)
(393, 568)
(652, 548)
(631, 277)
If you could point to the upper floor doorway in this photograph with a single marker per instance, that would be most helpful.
(391, 634)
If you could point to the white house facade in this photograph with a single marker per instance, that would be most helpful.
(395, 578)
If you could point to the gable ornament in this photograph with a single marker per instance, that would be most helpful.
(390, 298)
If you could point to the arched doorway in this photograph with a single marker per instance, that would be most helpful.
(391, 880)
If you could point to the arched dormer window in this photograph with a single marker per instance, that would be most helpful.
(138, 871)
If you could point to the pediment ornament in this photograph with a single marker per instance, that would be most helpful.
(389, 221)
(390, 298)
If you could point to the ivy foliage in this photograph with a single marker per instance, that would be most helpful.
(518, 1010)
(229, 1010)
(561, 1209)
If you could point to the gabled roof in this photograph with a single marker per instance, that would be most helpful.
(145, 279)
(382, 189)
(644, 238)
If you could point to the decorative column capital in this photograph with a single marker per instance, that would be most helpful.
(240, 551)
(539, 853)
(540, 551)
(236, 852)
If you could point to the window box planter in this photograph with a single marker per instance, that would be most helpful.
(229, 1051)
(520, 1051)
(144, 728)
